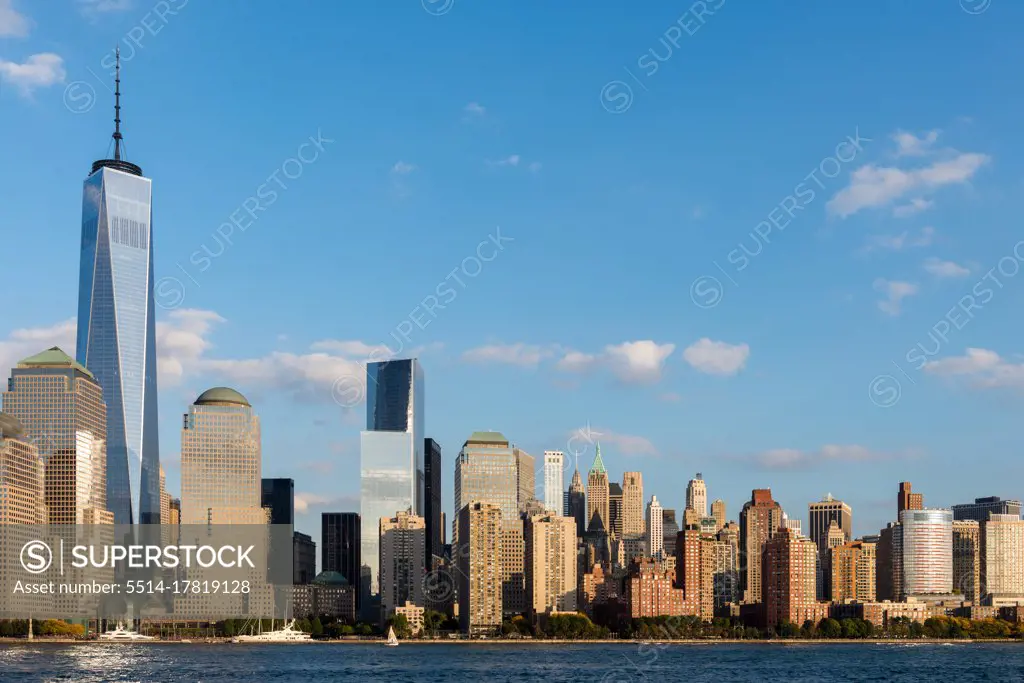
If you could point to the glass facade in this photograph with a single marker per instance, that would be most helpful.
(116, 334)
(391, 458)
(927, 548)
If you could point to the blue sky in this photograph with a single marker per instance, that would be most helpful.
(628, 155)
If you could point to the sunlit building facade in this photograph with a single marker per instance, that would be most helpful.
(554, 466)
(927, 551)
(403, 546)
(60, 405)
(221, 461)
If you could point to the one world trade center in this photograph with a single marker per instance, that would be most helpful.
(116, 326)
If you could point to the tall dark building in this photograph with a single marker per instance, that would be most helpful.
(303, 558)
(906, 500)
(669, 527)
(432, 500)
(339, 548)
(615, 509)
(980, 509)
(577, 503)
(278, 495)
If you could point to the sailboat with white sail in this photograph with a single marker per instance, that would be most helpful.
(392, 638)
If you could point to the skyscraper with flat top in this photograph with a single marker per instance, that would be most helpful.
(697, 496)
(432, 500)
(906, 500)
(117, 325)
(632, 504)
(760, 520)
(390, 457)
(61, 406)
(554, 464)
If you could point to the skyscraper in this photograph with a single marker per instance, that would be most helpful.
(615, 509)
(550, 564)
(486, 470)
(632, 504)
(821, 515)
(669, 528)
(61, 407)
(117, 325)
(479, 568)
(760, 520)
(906, 500)
(391, 457)
(788, 580)
(980, 509)
(967, 558)
(655, 529)
(432, 507)
(1002, 560)
(402, 561)
(278, 495)
(340, 544)
(554, 463)
(526, 477)
(597, 495)
(718, 512)
(221, 461)
(852, 572)
(697, 496)
(577, 503)
(927, 551)
(21, 485)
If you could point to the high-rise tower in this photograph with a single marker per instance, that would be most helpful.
(117, 327)
(597, 495)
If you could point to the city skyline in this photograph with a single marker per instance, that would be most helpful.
(849, 447)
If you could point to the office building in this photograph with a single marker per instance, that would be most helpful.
(981, 508)
(907, 500)
(278, 496)
(821, 516)
(221, 461)
(718, 512)
(391, 460)
(60, 405)
(487, 470)
(852, 568)
(615, 509)
(550, 563)
(526, 477)
(327, 594)
(669, 528)
(760, 520)
(303, 558)
(341, 546)
(927, 551)
(788, 579)
(576, 503)
(1002, 560)
(597, 497)
(888, 571)
(727, 566)
(479, 568)
(403, 544)
(513, 567)
(117, 325)
(432, 513)
(22, 492)
(697, 496)
(967, 558)
(554, 488)
(633, 506)
(655, 529)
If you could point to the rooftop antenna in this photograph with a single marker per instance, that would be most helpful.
(117, 104)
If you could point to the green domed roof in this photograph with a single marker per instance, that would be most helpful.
(221, 395)
(11, 426)
(330, 579)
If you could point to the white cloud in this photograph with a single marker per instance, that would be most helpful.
(895, 292)
(12, 23)
(181, 342)
(304, 502)
(577, 361)
(909, 144)
(983, 367)
(475, 109)
(26, 342)
(38, 71)
(914, 206)
(403, 168)
(873, 186)
(944, 269)
(511, 160)
(901, 241)
(104, 6)
(792, 458)
(637, 362)
(523, 355)
(716, 357)
(626, 444)
(354, 349)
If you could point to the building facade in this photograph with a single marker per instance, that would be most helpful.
(221, 461)
(615, 509)
(391, 459)
(597, 496)
(906, 499)
(487, 470)
(697, 496)
(633, 504)
(981, 508)
(718, 512)
(655, 529)
(117, 326)
(513, 567)
(927, 550)
(303, 558)
(60, 405)
(821, 516)
(479, 568)
(403, 545)
(554, 487)
(432, 513)
(550, 564)
(789, 581)
(760, 520)
(576, 503)
(967, 558)
(852, 568)
(1002, 560)
(341, 546)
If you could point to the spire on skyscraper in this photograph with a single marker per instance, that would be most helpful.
(117, 162)
(598, 465)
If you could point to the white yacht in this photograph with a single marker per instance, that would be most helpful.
(122, 634)
(392, 638)
(288, 634)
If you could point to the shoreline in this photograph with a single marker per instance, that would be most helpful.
(532, 642)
